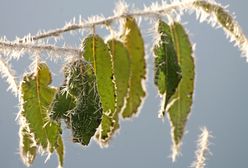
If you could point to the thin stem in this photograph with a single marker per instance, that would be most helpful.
(163, 10)
(9, 46)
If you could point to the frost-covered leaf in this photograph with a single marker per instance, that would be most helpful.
(135, 45)
(180, 105)
(28, 147)
(86, 116)
(215, 13)
(96, 52)
(167, 69)
(77, 101)
(36, 97)
(223, 17)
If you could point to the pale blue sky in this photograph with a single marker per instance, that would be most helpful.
(220, 100)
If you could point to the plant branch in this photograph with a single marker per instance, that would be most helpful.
(153, 10)
(9, 47)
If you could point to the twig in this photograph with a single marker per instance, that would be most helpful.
(159, 10)
(9, 46)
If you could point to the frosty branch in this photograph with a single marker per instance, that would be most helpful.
(103, 79)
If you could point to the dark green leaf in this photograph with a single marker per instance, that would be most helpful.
(135, 45)
(96, 52)
(167, 69)
(85, 118)
(36, 99)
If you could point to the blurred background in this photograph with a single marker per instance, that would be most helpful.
(220, 98)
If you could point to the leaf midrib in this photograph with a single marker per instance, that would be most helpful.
(39, 104)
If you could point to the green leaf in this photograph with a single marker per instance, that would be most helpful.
(85, 118)
(135, 45)
(96, 52)
(121, 68)
(60, 152)
(36, 99)
(167, 69)
(28, 147)
(62, 104)
(181, 101)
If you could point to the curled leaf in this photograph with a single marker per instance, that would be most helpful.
(218, 14)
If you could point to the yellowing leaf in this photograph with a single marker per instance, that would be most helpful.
(28, 147)
(167, 69)
(135, 45)
(96, 52)
(36, 99)
(181, 101)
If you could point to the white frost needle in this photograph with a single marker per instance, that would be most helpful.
(9, 74)
(202, 149)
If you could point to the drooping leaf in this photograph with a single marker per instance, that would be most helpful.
(28, 147)
(167, 69)
(181, 101)
(223, 17)
(36, 99)
(121, 68)
(86, 116)
(96, 52)
(135, 45)
(60, 152)
(215, 13)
